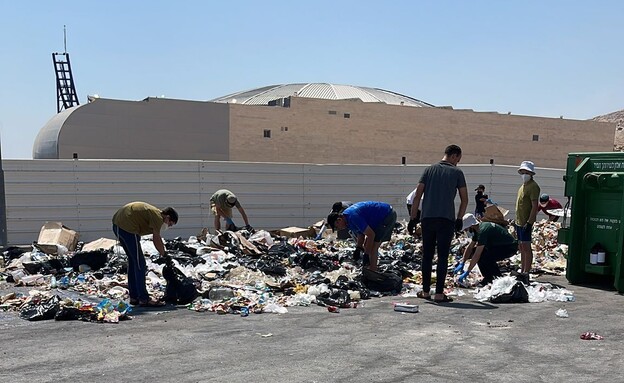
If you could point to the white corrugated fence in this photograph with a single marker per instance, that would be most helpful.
(84, 194)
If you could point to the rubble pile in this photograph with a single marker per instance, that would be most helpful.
(232, 273)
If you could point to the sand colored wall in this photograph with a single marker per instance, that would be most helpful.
(382, 134)
(149, 129)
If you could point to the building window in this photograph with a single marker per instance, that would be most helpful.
(332, 112)
(536, 137)
(347, 115)
(284, 128)
(267, 133)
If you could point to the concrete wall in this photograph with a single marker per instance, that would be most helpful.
(148, 129)
(382, 134)
(84, 194)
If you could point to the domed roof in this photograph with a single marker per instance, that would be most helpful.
(262, 96)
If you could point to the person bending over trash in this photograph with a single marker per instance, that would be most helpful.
(371, 221)
(546, 203)
(131, 222)
(490, 243)
(221, 204)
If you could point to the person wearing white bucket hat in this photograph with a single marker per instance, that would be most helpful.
(527, 208)
(490, 243)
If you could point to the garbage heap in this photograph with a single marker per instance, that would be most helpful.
(230, 272)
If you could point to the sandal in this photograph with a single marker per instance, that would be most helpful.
(152, 304)
(444, 300)
(421, 294)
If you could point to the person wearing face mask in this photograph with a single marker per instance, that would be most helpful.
(130, 222)
(527, 207)
(221, 204)
(490, 243)
(480, 199)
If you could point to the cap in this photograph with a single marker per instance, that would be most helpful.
(544, 199)
(528, 166)
(231, 200)
(468, 220)
(480, 187)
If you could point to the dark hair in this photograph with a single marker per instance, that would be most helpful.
(331, 219)
(452, 149)
(173, 215)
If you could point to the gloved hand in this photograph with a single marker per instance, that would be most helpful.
(411, 226)
(357, 253)
(462, 277)
(459, 268)
(248, 228)
(459, 223)
(527, 227)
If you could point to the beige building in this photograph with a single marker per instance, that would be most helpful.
(311, 123)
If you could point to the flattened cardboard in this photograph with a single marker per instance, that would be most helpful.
(102, 243)
(296, 232)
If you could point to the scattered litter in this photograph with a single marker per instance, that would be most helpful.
(264, 335)
(591, 336)
(406, 307)
(242, 273)
(562, 313)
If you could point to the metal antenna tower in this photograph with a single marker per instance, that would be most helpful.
(66, 96)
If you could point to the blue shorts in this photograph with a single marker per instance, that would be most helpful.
(522, 234)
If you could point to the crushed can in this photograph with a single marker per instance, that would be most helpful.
(333, 309)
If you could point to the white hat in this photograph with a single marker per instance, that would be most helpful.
(468, 220)
(528, 166)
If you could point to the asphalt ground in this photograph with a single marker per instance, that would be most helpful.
(462, 341)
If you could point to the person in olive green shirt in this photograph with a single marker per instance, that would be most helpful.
(221, 204)
(490, 243)
(527, 207)
(131, 222)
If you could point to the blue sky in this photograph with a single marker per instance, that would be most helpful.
(542, 58)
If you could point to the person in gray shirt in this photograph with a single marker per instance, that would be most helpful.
(440, 183)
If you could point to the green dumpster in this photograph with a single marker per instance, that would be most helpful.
(592, 228)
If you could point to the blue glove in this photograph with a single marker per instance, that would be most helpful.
(459, 268)
(463, 276)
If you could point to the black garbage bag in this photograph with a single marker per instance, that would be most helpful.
(95, 259)
(67, 313)
(271, 265)
(336, 297)
(180, 288)
(178, 244)
(518, 294)
(41, 310)
(388, 282)
(282, 250)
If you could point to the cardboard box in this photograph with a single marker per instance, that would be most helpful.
(296, 232)
(102, 243)
(55, 233)
(496, 214)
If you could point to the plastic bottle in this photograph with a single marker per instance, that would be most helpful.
(64, 282)
(80, 278)
(53, 283)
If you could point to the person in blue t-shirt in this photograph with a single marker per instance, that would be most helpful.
(371, 221)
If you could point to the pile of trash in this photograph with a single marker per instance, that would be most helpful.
(240, 272)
